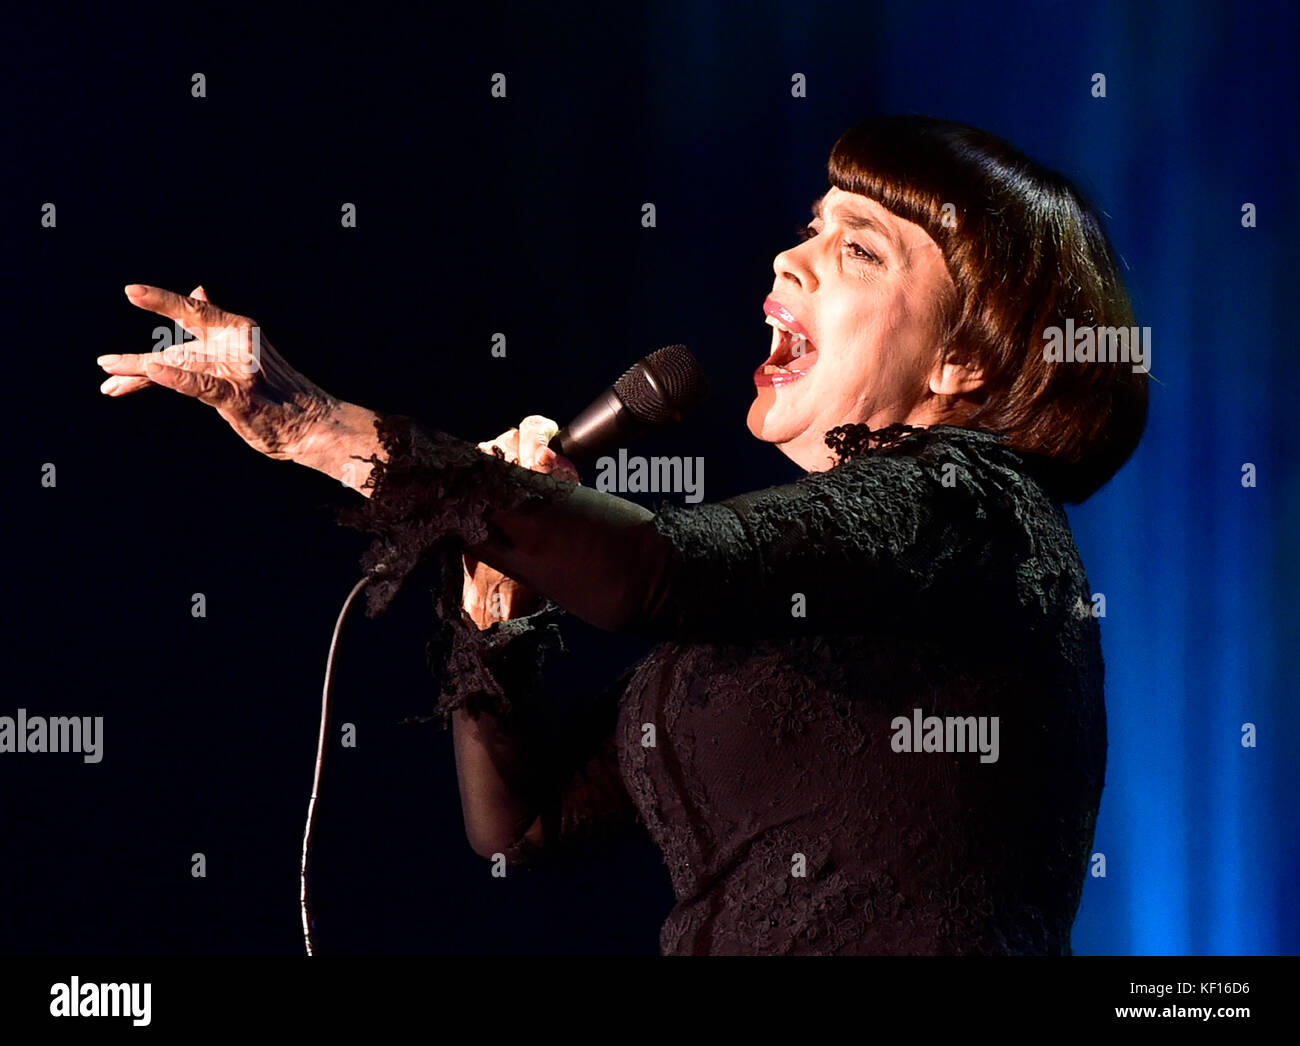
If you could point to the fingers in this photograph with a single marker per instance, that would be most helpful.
(535, 432)
(128, 369)
(527, 446)
(559, 466)
(507, 443)
(122, 386)
(535, 435)
(193, 314)
(206, 388)
(134, 363)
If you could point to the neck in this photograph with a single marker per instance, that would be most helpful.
(808, 450)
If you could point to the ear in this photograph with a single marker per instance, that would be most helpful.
(956, 375)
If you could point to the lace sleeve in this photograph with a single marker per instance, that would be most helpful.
(591, 803)
(558, 762)
(499, 670)
(855, 545)
(432, 495)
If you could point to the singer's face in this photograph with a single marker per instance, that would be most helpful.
(864, 290)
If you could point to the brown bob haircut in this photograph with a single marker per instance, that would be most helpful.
(1026, 252)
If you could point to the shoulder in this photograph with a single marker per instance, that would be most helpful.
(938, 464)
(960, 487)
(1020, 514)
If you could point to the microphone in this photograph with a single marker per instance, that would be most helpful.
(662, 388)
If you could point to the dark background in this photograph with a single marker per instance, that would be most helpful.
(522, 216)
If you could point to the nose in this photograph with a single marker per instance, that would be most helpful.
(795, 264)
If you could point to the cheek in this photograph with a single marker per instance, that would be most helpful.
(876, 358)
(891, 338)
(861, 351)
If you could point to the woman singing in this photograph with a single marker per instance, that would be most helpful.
(873, 722)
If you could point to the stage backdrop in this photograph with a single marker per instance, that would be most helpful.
(522, 215)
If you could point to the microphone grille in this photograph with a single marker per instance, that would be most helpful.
(664, 386)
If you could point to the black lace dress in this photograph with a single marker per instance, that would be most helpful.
(928, 573)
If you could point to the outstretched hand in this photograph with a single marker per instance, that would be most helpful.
(230, 367)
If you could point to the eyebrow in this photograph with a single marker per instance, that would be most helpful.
(853, 220)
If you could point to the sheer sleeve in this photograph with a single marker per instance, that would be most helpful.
(833, 550)
(556, 759)
(591, 802)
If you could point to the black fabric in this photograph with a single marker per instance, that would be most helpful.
(927, 570)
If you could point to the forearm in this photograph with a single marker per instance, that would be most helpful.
(595, 555)
(499, 815)
(523, 793)
(500, 803)
(342, 444)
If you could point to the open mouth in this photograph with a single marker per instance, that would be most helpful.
(792, 354)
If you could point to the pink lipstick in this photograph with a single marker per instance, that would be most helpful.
(793, 352)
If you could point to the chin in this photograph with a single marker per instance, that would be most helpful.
(760, 423)
(780, 416)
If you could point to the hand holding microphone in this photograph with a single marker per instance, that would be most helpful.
(657, 390)
(490, 595)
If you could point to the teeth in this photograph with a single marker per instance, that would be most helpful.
(800, 340)
(785, 343)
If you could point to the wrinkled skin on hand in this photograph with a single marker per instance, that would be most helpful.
(229, 366)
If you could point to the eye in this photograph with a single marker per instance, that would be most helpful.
(806, 232)
(861, 252)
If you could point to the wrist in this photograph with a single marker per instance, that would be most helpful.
(340, 442)
(500, 602)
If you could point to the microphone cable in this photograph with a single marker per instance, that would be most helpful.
(320, 751)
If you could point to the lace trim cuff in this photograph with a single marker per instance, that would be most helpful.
(497, 670)
(433, 491)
